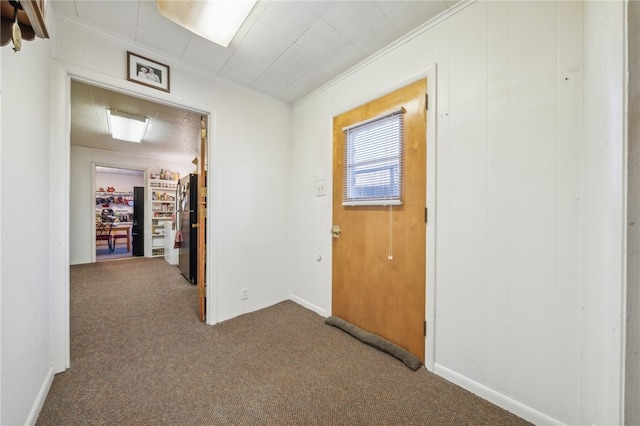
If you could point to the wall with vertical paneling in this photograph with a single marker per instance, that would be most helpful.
(528, 198)
(632, 365)
(28, 210)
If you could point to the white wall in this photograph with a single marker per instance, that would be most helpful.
(25, 219)
(120, 182)
(604, 179)
(632, 376)
(528, 196)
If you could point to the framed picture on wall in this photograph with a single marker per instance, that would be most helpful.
(147, 72)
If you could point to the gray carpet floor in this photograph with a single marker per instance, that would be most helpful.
(139, 356)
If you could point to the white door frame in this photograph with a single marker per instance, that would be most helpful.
(430, 274)
(62, 73)
(93, 186)
(430, 341)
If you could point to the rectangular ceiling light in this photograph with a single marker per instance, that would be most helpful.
(125, 126)
(215, 20)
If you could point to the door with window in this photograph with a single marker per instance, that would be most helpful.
(379, 200)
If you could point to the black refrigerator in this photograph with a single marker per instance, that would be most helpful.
(187, 216)
(137, 230)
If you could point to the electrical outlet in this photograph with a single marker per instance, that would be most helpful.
(244, 293)
(320, 188)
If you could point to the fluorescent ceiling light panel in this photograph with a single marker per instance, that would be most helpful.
(125, 126)
(215, 20)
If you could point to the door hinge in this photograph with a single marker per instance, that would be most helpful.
(203, 128)
(425, 329)
(426, 215)
(426, 102)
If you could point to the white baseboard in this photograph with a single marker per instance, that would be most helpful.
(318, 310)
(503, 401)
(42, 396)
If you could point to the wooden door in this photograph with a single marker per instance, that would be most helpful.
(202, 220)
(378, 268)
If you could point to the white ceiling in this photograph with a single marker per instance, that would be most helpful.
(173, 133)
(285, 49)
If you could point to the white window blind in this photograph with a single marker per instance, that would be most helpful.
(373, 161)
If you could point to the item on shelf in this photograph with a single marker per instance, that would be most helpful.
(106, 213)
(162, 207)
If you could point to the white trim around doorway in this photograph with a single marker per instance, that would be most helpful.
(62, 73)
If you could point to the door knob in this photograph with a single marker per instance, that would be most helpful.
(335, 231)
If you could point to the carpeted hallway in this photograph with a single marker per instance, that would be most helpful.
(139, 356)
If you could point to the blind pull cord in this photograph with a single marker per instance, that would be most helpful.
(390, 257)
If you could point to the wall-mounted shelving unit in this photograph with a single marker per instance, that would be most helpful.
(120, 202)
(162, 207)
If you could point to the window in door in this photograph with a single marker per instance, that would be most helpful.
(373, 159)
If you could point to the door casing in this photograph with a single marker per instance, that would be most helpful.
(62, 73)
(433, 120)
(378, 264)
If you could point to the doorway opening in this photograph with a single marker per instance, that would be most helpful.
(74, 179)
(114, 212)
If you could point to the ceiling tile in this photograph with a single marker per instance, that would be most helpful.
(81, 92)
(321, 40)
(293, 64)
(352, 17)
(252, 18)
(187, 140)
(411, 14)
(387, 6)
(320, 7)
(156, 31)
(160, 132)
(241, 71)
(315, 78)
(257, 51)
(382, 33)
(287, 19)
(188, 151)
(177, 113)
(343, 59)
(204, 54)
